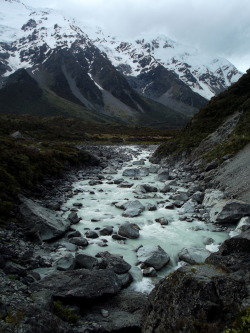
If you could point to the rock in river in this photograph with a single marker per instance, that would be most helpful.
(114, 262)
(230, 211)
(193, 255)
(133, 208)
(129, 230)
(153, 256)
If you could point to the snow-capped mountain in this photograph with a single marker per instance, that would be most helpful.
(149, 80)
(204, 74)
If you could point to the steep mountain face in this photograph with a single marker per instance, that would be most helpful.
(218, 131)
(132, 82)
(205, 75)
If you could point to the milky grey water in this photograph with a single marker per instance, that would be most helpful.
(98, 204)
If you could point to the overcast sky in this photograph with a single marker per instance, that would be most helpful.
(219, 27)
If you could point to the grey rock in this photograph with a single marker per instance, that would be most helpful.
(212, 197)
(66, 263)
(118, 237)
(129, 230)
(189, 206)
(118, 181)
(150, 188)
(143, 172)
(131, 172)
(14, 268)
(153, 256)
(212, 165)
(109, 170)
(114, 262)
(74, 218)
(162, 175)
(106, 231)
(77, 204)
(133, 208)
(154, 168)
(125, 279)
(200, 296)
(162, 220)
(85, 261)
(91, 234)
(165, 188)
(53, 205)
(45, 222)
(151, 207)
(140, 189)
(79, 241)
(149, 272)
(198, 197)
(75, 233)
(193, 255)
(79, 284)
(230, 211)
(69, 246)
(139, 162)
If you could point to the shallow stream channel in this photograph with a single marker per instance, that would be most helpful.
(164, 207)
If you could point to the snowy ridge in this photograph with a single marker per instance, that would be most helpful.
(29, 36)
(203, 74)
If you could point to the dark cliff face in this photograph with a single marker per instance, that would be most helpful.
(82, 80)
(204, 298)
(165, 87)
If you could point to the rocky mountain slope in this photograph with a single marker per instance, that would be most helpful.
(150, 81)
(212, 296)
(220, 128)
(157, 67)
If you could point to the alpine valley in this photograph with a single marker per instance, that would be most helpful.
(54, 65)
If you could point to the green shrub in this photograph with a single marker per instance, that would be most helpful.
(64, 313)
(241, 324)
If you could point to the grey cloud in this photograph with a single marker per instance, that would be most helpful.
(219, 27)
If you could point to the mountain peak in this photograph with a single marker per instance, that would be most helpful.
(105, 73)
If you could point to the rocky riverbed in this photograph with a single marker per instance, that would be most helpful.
(91, 246)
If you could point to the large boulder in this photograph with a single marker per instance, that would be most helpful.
(189, 206)
(162, 175)
(143, 172)
(66, 263)
(131, 172)
(129, 230)
(204, 298)
(181, 195)
(79, 284)
(42, 221)
(230, 211)
(193, 255)
(212, 197)
(85, 261)
(79, 241)
(153, 256)
(114, 262)
(193, 299)
(74, 218)
(133, 208)
(150, 188)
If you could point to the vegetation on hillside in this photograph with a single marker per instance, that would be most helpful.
(236, 98)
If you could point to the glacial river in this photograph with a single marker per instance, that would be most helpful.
(98, 206)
